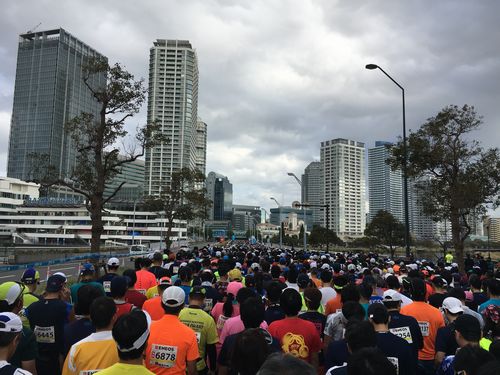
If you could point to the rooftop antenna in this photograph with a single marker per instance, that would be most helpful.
(33, 29)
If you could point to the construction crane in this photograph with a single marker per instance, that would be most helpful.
(33, 29)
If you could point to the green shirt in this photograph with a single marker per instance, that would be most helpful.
(204, 327)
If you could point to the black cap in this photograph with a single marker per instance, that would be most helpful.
(378, 313)
(197, 291)
(55, 283)
(303, 280)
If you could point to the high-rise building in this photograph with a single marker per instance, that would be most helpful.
(311, 190)
(132, 174)
(201, 146)
(173, 103)
(49, 91)
(245, 217)
(342, 162)
(220, 192)
(385, 186)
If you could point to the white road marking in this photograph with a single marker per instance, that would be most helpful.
(61, 269)
(6, 276)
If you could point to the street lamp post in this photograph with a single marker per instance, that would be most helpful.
(405, 159)
(303, 209)
(281, 226)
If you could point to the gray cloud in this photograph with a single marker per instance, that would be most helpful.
(278, 77)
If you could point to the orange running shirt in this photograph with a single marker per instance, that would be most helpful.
(170, 345)
(145, 280)
(333, 305)
(430, 320)
(154, 308)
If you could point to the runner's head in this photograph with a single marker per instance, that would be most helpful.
(157, 258)
(55, 284)
(86, 295)
(353, 311)
(163, 284)
(312, 296)
(469, 359)
(285, 364)
(452, 308)
(11, 297)
(467, 330)
(369, 361)
(172, 300)
(418, 289)
(252, 312)
(31, 277)
(87, 272)
(103, 313)
(378, 314)
(360, 334)
(349, 293)
(249, 352)
(197, 295)
(274, 290)
(113, 264)
(392, 300)
(290, 302)
(132, 277)
(10, 328)
(131, 332)
(119, 286)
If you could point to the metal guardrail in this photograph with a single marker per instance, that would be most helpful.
(15, 267)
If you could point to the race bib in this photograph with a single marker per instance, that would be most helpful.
(424, 328)
(220, 322)
(107, 286)
(403, 332)
(142, 291)
(163, 356)
(45, 335)
(395, 362)
(209, 302)
(175, 270)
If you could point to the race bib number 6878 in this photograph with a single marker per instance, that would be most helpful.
(163, 355)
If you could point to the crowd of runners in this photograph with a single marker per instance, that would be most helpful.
(252, 309)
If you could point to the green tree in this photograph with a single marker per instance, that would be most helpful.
(320, 236)
(387, 229)
(456, 177)
(181, 198)
(95, 137)
(366, 241)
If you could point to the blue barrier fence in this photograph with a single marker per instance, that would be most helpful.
(15, 267)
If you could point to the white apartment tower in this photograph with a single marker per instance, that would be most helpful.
(385, 186)
(342, 162)
(173, 102)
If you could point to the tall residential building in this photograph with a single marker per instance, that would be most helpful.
(385, 186)
(201, 146)
(49, 91)
(343, 165)
(311, 190)
(173, 102)
(220, 192)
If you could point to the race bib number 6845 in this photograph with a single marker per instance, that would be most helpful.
(163, 355)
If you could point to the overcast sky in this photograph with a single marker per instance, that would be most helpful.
(278, 77)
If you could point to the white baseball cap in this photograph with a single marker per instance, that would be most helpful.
(391, 295)
(61, 274)
(113, 262)
(453, 305)
(173, 296)
(10, 322)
